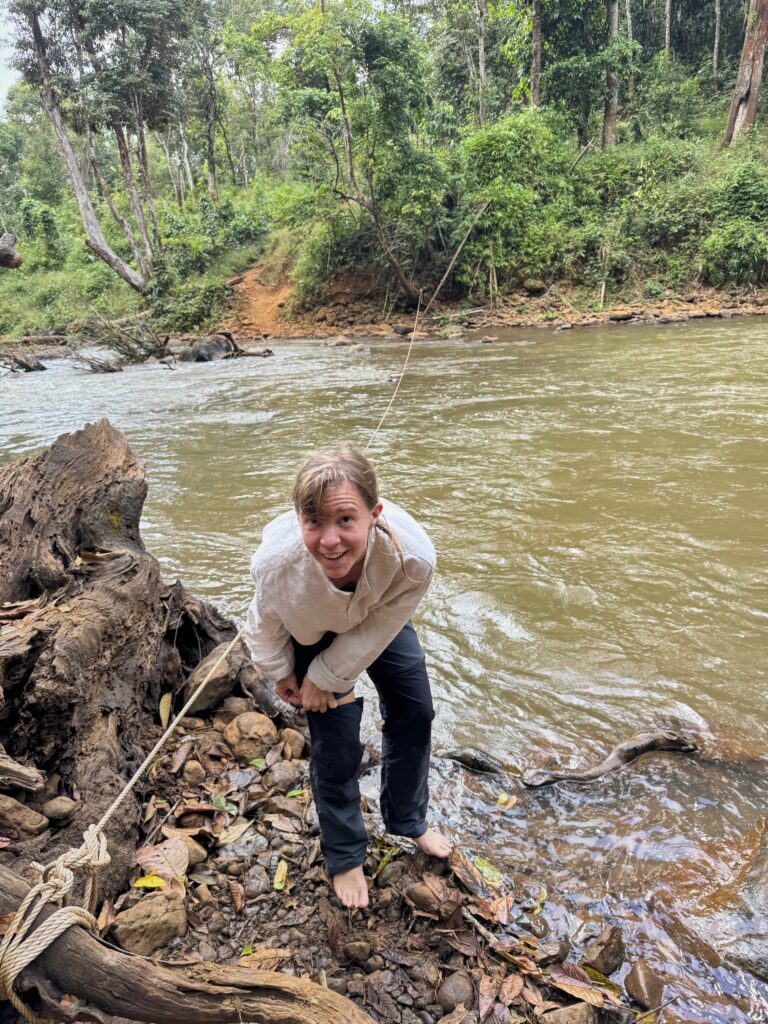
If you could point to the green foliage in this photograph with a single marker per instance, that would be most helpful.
(192, 306)
(736, 253)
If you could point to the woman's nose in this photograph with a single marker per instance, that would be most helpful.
(329, 538)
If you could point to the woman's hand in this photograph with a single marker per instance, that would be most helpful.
(287, 689)
(315, 699)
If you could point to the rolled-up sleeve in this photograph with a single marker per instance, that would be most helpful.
(268, 640)
(339, 665)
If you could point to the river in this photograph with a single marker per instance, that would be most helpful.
(598, 502)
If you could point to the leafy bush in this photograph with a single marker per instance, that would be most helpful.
(192, 306)
(735, 253)
(745, 191)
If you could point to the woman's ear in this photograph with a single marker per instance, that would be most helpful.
(376, 512)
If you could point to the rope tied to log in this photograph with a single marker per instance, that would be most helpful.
(18, 948)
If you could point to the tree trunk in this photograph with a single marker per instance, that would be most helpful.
(94, 238)
(185, 159)
(228, 150)
(611, 80)
(96, 636)
(716, 47)
(632, 80)
(116, 215)
(146, 180)
(743, 110)
(8, 255)
(112, 984)
(174, 173)
(126, 165)
(210, 129)
(481, 83)
(667, 27)
(536, 55)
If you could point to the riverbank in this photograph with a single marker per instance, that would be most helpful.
(263, 310)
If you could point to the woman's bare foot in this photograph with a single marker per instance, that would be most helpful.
(433, 844)
(350, 887)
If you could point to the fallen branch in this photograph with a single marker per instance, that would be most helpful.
(116, 984)
(13, 774)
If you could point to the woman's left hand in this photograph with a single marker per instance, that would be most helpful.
(315, 699)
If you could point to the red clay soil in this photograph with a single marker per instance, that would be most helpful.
(355, 306)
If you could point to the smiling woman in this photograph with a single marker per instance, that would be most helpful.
(336, 585)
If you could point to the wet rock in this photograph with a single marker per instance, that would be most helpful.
(391, 874)
(620, 315)
(193, 773)
(338, 985)
(374, 963)
(358, 951)
(580, 1013)
(256, 882)
(402, 329)
(607, 953)
(153, 922)
(60, 809)
(455, 990)
(645, 985)
(293, 744)
(207, 951)
(250, 735)
(422, 897)
(282, 776)
(19, 821)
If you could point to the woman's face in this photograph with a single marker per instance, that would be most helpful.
(337, 538)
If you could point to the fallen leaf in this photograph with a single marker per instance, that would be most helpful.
(464, 942)
(237, 894)
(575, 981)
(281, 823)
(274, 755)
(180, 754)
(106, 916)
(281, 875)
(237, 829)
(5, 920)
(296, 792)
(149, 882)
(504, 801)
(194, 808)
(510, 988)
(265, 959)
(169, 859)
(487, 996)
(257, 762)
(165, 709)
(457, 1016)
(222, 804)
(490, 873)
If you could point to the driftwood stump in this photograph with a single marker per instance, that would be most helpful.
(117, 984)
(90, 637)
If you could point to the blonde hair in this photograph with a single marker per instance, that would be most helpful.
(327, 469)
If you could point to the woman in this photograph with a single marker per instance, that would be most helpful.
(337, 579)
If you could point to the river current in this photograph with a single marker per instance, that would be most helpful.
(598, 502)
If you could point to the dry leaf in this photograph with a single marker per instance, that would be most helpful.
(106, 916)
(5, 921)
(194, 808)
(487, 996)
(281, 823)
(464, 942)
(237, 893)
(510, 989)
(169, 859)
(265, 959)
(180, 755)
(165, 709)
(281, 875)
(234, 831)
(458, 1016)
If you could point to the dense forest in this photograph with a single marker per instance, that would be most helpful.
(151, 149)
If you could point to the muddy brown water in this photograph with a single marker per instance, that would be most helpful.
(598, 502)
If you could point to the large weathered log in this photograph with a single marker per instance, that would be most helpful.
(91, 637)
(8, 255)
(113, 983)
(19, 776)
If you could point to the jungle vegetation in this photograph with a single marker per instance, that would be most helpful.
(154, 147)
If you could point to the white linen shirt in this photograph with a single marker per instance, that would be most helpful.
(294, 598)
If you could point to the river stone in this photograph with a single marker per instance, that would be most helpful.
(645, 985)
(358, 951)
(391, 874)
(282, 776)
(250, 735)
(606, 953)
(18, 821)
(293, 744)
(534, 286)
(60, 809)
(197, 852)
(455, 990)
(579, 1013)
(193, 772)
(256, 882)
(422, 897)
(218, 686)
(153, 922)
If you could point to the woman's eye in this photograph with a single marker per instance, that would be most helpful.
(346, 520)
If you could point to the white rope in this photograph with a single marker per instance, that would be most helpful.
(18, 948)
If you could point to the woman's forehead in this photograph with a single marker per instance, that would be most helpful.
(344, 497)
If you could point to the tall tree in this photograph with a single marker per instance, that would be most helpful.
(716, 46)
(536, 43)
(746, 92)
(667, 26)
(611, 77)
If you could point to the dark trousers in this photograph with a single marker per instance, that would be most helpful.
(400, 677)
